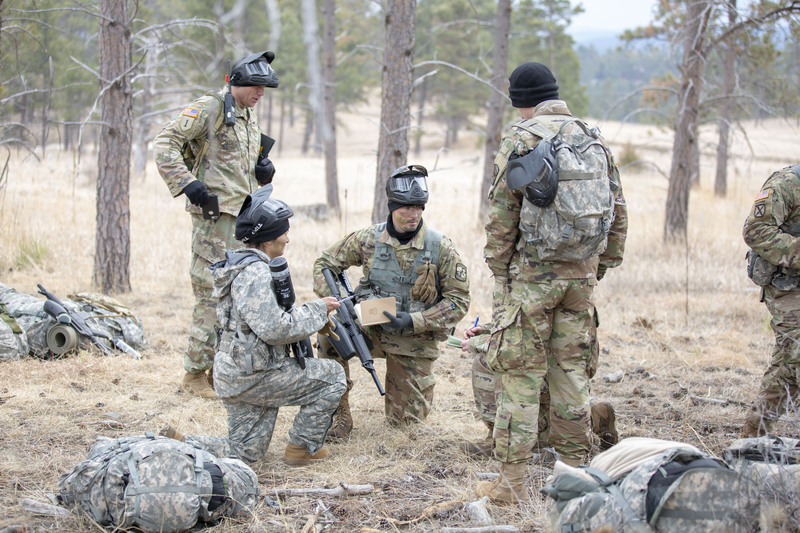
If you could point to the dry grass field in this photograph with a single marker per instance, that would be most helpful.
(682, 322)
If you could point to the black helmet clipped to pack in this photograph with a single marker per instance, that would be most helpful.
(254, 70)
(537, 171)
(262, 218)
(407, 185)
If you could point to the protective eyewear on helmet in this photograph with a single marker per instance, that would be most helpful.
(406, 183)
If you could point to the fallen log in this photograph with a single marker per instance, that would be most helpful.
(41, 508)
(337, 492)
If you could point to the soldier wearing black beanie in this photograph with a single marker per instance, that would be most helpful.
(531, 84)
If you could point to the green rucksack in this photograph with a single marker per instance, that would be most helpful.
(679, 489)
(156, 484)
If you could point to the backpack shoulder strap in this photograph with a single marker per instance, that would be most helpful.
(201, 154)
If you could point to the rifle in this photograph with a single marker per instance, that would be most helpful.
(351, 339)
(284, 294)
(77, 321)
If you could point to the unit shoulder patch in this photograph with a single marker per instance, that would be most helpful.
(461, 272)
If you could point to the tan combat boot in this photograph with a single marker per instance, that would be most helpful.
(509, 488)
(297, 455)
(603, 424)
(342, 421)
(171, 433)
(197, 384)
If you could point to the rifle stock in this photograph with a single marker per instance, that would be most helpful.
(352, 340)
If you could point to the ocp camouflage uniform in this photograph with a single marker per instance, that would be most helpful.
(485, 388)
(543, 314)
(409, 355)
(772, 230)
(254, 374)
(228, 170)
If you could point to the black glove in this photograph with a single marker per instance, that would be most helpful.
(265, 170)
(197, 193)
(402, 320)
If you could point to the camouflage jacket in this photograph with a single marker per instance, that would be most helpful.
(256, 331)
(773, 227)
(228, 169)
(502, 229)
(430, 326)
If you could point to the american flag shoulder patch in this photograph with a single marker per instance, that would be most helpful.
(762, 195)
(191, 112)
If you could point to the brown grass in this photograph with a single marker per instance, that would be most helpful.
(674, 318)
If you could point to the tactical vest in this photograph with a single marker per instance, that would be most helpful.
(762, 272)
(156, 484)
(386, 278)
(236, 338)
(575, 226)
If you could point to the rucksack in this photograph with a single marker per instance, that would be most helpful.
(13, 340)
(102, 313)
(679, 489)
(156, 484)
(773, 464)
(569, 203)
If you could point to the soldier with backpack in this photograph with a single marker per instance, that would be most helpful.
(256, 368)
(772, 231)
(557, 222)
(209, 153)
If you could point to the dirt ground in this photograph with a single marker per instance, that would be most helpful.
(681, 323)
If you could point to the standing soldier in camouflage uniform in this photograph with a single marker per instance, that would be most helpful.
(772, 231)
(254, 374)
(542, 309)
(421, 268)
(212, 148)
(484, 392)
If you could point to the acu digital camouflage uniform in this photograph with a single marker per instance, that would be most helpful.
(409, 358)
(228, 170)
(543, 314)
(772, 230)
(254, 374)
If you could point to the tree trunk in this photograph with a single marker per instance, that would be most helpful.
(398, 55)
(685, 151)
(313, 69)
(497, 100)
(142, 127)
(423, 94)
(112, 237)
(329, 78)
(721, 180)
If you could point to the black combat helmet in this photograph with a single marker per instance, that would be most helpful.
(407, 185)
(254, 70)
(262, 218)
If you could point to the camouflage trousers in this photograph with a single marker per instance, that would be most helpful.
(252, 414)
(781, 382)
(210, 240)
(484, 386)
(409, 381)
(550, 338)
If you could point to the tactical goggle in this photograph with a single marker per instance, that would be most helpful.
(405, 178)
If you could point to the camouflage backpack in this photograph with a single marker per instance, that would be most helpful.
(13, 341)
(103, 313)
(156, 484)
(773, 463)
(569, 205)
(675, 490)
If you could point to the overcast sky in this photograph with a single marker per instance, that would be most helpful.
(612, 15)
